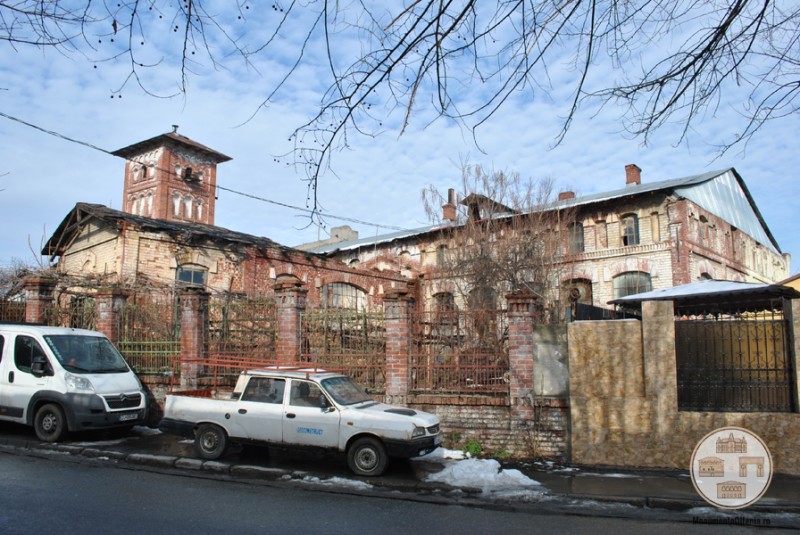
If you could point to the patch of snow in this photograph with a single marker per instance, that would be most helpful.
(144, 430)
(337, 482)
(596, 474)
(440, 453)
(98, 443)
(487, 475)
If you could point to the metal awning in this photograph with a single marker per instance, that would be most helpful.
(713, 292)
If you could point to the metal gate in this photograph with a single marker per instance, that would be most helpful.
(735, 358)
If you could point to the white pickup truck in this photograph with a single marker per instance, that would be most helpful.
(293, 407)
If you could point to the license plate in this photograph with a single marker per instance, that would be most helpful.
(126, 417)
(437, 440)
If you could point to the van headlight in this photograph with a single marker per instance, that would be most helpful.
(75, 383)
(418, 432)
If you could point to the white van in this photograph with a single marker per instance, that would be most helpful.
(59, 379)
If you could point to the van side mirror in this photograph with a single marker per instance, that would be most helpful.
(40, 366)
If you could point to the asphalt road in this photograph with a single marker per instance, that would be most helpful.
(62, 496)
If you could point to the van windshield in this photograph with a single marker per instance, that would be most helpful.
(86, 354)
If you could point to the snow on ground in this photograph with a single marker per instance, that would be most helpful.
(485, 474)
(337, 482)
(144, 430)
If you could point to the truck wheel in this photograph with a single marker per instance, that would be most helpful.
(367, 457)
(49, 423)
(210, 441)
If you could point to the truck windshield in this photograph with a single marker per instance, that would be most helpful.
(345, 391)
(86, 354)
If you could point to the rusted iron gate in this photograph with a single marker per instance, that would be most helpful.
(241, 329)
(70, 309)
(735, 358)
(149, 335)
(12, 310)
(459, 352)
(348, 341)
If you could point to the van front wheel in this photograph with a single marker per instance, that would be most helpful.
(49, 423)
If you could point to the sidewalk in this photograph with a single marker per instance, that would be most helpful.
(577, 490)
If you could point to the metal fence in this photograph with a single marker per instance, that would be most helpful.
(459, 352)
(12, 310)
(150, 335)
(347, 341)
(241, 329)
(735, 359)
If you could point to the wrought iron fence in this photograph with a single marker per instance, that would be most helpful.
(149, 335)
(348, 341)
(735, 359)
(241, 329)
(12, 310)
(459, 352)
(72, 310)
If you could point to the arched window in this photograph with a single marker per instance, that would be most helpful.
(576, 238)
(631, 283)
(343, 296)
(630, 229)
(191, 275)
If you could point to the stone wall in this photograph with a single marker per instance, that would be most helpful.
(623, 398)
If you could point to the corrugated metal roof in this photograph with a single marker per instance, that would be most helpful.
(707, 289)
(721, 192)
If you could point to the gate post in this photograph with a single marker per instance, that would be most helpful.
(109, 304)
(194, 327)
(397, 305)
(290, 303)
(38, 299)
(521, 313)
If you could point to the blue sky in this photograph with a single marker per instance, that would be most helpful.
(377, 179)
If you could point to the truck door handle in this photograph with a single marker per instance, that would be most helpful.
(10, 377)
(290, 415)
(242, 411)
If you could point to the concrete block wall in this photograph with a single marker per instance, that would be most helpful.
(623, 398)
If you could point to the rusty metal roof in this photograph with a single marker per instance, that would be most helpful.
(183, 232)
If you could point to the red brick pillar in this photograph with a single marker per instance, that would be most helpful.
(38, 299)
(109, 303)
(290, 301)
(194, 326)
(521, 314)
(397, 307)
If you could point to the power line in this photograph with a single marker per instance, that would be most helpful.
(249, 195)
(308, 210)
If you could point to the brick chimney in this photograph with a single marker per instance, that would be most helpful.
(633, 175)
(564, 195)
(449, 209)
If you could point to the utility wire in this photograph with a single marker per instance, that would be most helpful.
(251, 196)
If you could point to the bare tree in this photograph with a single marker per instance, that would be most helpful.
(509, 235)
(463, 59)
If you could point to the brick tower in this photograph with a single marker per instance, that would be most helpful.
(170, 177)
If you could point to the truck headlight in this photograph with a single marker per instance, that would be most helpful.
(418, 432)
(76, 383)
